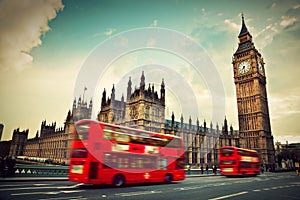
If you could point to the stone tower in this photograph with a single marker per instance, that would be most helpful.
(252, 101)
(143, 107)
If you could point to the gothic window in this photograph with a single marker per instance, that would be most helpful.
(255, 143)
(147, 115)
(156, 113)
(134, 113)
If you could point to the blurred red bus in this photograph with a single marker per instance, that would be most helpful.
(237, 161)
(112, 154)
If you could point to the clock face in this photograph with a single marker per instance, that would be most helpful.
(244, 67)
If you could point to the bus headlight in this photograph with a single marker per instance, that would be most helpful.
(227, 170)
(77, 169)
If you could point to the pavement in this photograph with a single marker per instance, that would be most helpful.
(33, 178)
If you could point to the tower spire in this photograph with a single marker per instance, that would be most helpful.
(113, 92)
(244, 29)
(84, 89)
(142, 84)
(129, 88)
(245, 39)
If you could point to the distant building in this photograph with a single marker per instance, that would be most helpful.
(81, 110)
(4, 148)
(18, 142)
(202, 143)
(287, 154)
(142, 109)
(1, 130)
(51, 142)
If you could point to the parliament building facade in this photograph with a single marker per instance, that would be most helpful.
(144, 108)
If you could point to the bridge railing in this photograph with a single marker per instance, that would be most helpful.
(62, 171)
(37, 170)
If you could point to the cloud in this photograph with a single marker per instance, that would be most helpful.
(296, 6)
(22, 24)
(287, 139)
(154, 23)
(109, 31)
(284, 107)
(203, 11)
(288, 21)
(233, 26)
(266, 35)
(273, 5)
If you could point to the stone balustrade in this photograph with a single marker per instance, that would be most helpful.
(36, 170)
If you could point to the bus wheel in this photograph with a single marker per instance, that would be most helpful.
(168, 178)
(118, 180)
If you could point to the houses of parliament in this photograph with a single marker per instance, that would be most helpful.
(144, 108)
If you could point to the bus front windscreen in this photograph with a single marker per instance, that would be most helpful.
(82, 131)
(227, 152)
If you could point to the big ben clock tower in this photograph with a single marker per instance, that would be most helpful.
(252, 102)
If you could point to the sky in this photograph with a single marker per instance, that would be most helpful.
(51, 50)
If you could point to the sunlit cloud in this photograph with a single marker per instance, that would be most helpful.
(109, 31)
(283, 107)
(296, 6)
(273, 5)
(232, 25)
(203, 11)
(288, 21)
(266, 35)
(288, 138)
(154, 23)
(22, 24)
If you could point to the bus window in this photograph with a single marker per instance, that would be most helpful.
(137, 139)
(107, 133)
(129, 161)
(160, 142)
(227, 152)
(149, 163)
(79, 153)
(121, 137)
(109, 161)
(180, 163)
(163, 163)
(82, 131)
(247, 153)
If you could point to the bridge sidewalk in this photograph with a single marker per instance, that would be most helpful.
(16, 179)
(32, 178)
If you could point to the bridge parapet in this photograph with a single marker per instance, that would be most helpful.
(37, 170)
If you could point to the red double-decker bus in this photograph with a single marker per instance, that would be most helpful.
(110, 154)
(235, 161)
